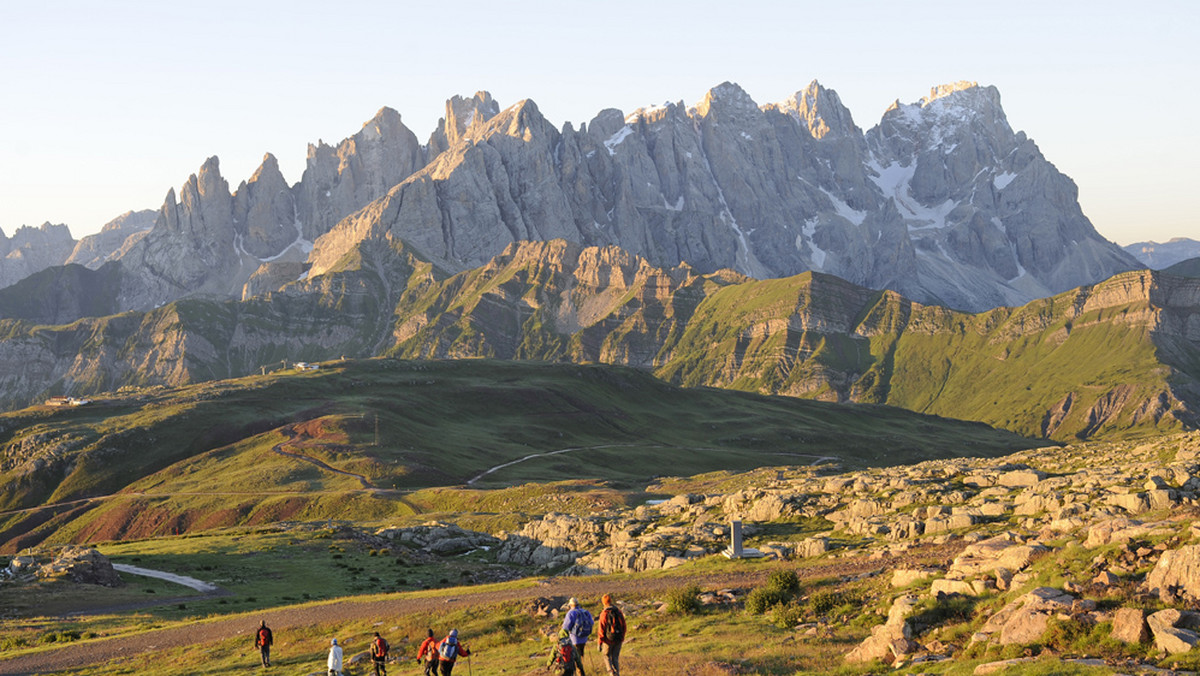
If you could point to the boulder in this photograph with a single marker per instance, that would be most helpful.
(996, 552)
(1114, 530)
(1020, 478)
(892, 639)
(1129, 625)
(1177, 573)
(1168, 636)
(902, 577)
(1024, 619)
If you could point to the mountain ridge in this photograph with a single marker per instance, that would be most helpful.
(1116, 358)
(941, 200)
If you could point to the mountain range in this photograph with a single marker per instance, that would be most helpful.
(771, 248)
(941, 200)
(1159, 256)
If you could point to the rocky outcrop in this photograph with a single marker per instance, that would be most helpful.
(81, 565)
(892, 640)
(32, 249)
(442, 539)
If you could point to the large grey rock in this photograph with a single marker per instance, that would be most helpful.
(1177, 574)
(1168, 635)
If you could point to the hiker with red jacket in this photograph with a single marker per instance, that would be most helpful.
(379, 653)
(449, 650)
(611, 635)
(578, 623)
(428, 651)
(263, 641)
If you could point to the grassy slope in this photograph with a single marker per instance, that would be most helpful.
(1007, 367)
(209, 447)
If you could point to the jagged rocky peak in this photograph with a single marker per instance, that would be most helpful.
(820, 110)
(659, 113)
(268, 170)
(727, 99)
(264, 211)
(204, 206)
(461, 115)
(339, 181)
(27, 235)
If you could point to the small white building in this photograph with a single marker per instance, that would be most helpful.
(306, 366)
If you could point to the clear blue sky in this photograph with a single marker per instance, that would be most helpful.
(106, 105)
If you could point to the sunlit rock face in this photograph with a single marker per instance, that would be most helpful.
(941, 200)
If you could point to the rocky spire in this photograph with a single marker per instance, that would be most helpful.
(264, 211)
(461, 115)
(821, 111)
(339, 181)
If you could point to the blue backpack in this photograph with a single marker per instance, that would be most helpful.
(449, 648)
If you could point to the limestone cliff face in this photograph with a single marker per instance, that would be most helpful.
(341, 180)
(941, 201)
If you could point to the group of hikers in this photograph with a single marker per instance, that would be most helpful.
(439, 657)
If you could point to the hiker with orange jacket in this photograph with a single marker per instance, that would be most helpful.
(263, 641)
(612, 635)
(428, 652)
(449, 650)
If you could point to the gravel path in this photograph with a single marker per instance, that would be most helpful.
(191, 582)
(99, 651)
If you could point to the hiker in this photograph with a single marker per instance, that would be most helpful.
(379, 653)
(429, 652)
(335, 659)
(611, 635)
(578, 623)
(564, 659)
(449, 650)
(262, 641)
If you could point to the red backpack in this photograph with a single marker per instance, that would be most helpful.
(380, 647)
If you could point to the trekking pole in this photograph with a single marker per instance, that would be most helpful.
(470, 671)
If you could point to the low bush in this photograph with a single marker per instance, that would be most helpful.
(761, 599)
(784, 581)
(684, 600)
(787, 615)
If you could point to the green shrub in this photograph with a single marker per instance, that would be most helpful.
(760, 599)
(787, 615)
(784, 581)
(823, 601)
(684, 600)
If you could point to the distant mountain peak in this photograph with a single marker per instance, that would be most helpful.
(727, 96)
(820, 110)
(942, 91)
